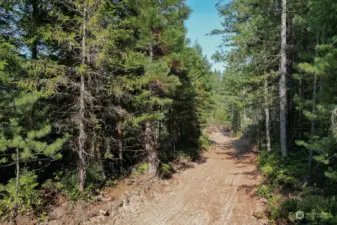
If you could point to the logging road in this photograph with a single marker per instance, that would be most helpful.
(218, 191)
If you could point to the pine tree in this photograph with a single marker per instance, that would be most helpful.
(283, 81)
(110, 78)
(23, 143)
(22, 139)
(160, 27)
(308, 43)
(79, 46)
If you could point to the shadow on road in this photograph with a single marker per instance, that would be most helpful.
(243, 154)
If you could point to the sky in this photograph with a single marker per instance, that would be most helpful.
(203, 19)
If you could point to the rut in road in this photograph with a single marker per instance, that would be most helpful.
(219, 191)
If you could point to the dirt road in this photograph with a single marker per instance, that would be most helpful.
(219, 191)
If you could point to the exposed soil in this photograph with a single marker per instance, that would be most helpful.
(218, 191)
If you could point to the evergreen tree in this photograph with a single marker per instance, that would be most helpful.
(161, 32)
(24, 129)
(252, 30)
(108, 80)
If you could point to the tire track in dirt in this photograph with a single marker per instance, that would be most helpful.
(217, 192)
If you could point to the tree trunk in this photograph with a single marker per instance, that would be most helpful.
(150, 149)
(82, 134)
(245, 119)
(283, 81)
(236, 122)
(300, 114)
(174, 135)
(151, 52)
(108, 146)
(159, 129)
(266, 109)
(36, 16)
(314, 92)
(232, 109)
(120, 143)
(313, 122)
(17, 183)
(152, 156)
(172, 131)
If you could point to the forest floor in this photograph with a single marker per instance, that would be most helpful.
(218, 190)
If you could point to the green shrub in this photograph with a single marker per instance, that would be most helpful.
(95, 175)
(267, 170)
(315, 201)
(290, 205)
(281, 171)
(262, 158)
(287, 209)
(264, 192)
(317, 210)
(52, 186)
(143, 168)
(183, 156)
(28, 198)
(189, 154)
(140, 169)
(284, 178)
(166, 170)
(67, 183)
(275, 212)
(203, 142)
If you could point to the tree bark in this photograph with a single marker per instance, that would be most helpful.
(82, 134)
(236, 122)
(267, 114)
(283, 81)
(174, 135)
(36, 16)
(152, 156)
(245, 119)
(313, 121)
(17, 183)
(120, 143)
(151, 52)
(159, 129)
(108, 147)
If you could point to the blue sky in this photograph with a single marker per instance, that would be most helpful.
(203, 19)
